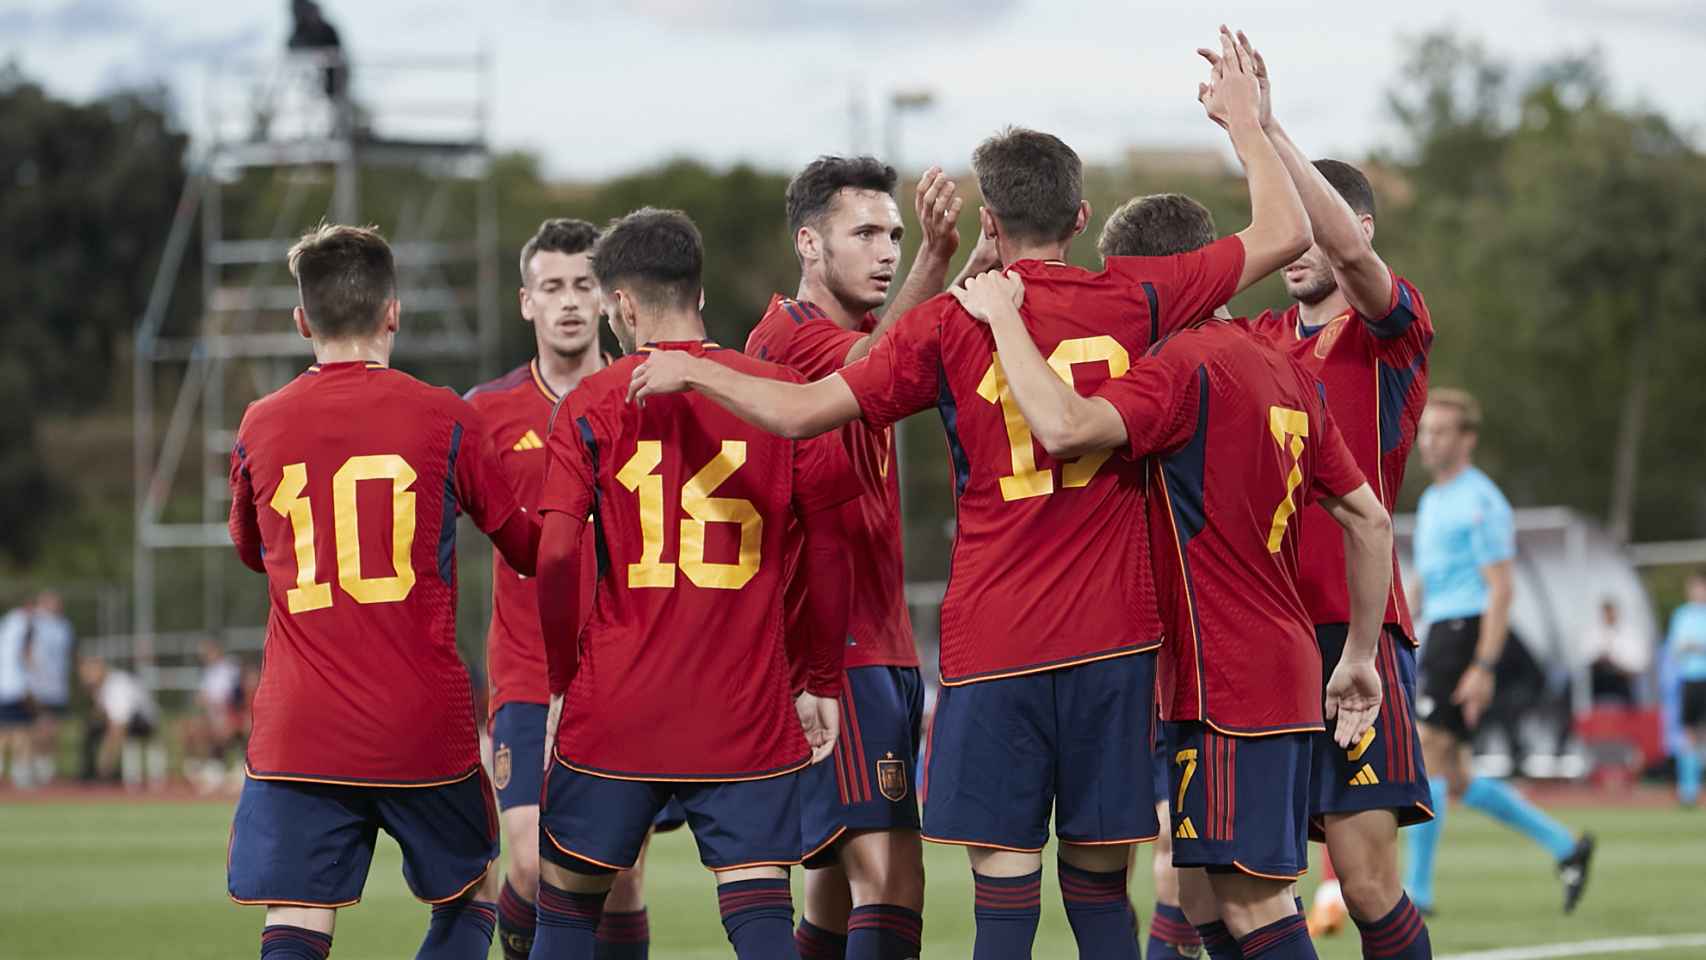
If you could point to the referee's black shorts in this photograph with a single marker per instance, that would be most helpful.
(1694, 703)
(1445, 656)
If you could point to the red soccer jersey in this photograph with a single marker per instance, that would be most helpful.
(1241, 654)
(1048, 562)
(799, 335)
(1376, 375)
(517, 410)
(348, 480)
(682, 673)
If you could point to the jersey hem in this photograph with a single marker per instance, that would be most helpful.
(681, 778)
(1251, 733)
(253, 774)
(913, 664)
(1053, 665)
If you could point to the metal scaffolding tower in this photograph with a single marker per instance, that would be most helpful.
(287, 147)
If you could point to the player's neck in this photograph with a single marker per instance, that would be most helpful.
(1452, 472)
(368, 349)
(1323, 310)
(1014, 252)
(673, 326)
(562, 373)
(819, 295)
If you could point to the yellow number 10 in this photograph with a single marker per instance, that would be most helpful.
(1289, 428)
(701, 509)
(1026, 480)
(290, 502)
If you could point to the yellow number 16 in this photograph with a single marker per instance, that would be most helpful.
(701, 509)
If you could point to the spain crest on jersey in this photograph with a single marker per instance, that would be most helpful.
(501, 767)
(891, 778)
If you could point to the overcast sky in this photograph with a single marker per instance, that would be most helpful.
(600, 88)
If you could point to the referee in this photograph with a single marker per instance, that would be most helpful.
(1464, 544)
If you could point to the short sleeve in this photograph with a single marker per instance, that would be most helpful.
(902, 374)
(1335, 472)
(1187, 287)
(1157, 398)
(483, 489)
(571, 449)
(1493, 539)
(823, 474)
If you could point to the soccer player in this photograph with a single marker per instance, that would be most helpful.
(559, 297)
(345, 486)
(1685, 682)
(1364, 332)
(679, 686)
(865, 864)
(1043, 689)
(1465, 543)
(1239, 670)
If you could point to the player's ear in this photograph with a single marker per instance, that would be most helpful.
(393, 314)
(301, 317)
(701, 299)
(807, 244)
(1367, 227)
(1083, 220)
(526, 304)
(986, 223)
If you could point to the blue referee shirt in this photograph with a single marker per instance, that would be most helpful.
(1687, 641)
(1461, 526)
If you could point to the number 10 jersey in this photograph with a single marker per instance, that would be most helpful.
(346, 484)
(682, 673)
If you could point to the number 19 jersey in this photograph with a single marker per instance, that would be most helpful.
(1050, 566)
(348, 481)
(682, 673)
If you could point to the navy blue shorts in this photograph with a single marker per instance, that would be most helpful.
(1160, 765)
(1383, 770)
(589, 822)
(1074, 741)
(866, 784)
(1240, 803)
(518, 761)
(295, 843)
(15, 713)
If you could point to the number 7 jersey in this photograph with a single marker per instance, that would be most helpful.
(346, 484)
(682, 673)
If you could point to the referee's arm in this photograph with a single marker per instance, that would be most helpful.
(1475, 689)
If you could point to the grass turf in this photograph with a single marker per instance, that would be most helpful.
(147, 879)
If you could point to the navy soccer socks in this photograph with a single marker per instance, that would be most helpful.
(567, 924)
(1099, 912)
(1400, 935)
(459, 929)
(758, 916)
(281, 941)
(883, 931)
(1168, 932)
(517, 919)
(1007, 910)
(1286, 939)
(816, 943)
(624, 935)
(1218, 942)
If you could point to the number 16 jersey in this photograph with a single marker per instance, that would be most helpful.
(682, 672)
(346, 484)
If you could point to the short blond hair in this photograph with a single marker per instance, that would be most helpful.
(1467, 407)
(345, 275)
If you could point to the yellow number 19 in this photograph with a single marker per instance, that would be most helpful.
(1026, 480)
(1289, 428)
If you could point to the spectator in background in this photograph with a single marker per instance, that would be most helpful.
(51, 640)
(1619, 656)
(121, 737)
(209, 734)
(15, 696)
(1685, 688)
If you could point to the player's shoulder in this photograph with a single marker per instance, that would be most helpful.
(483, 394)
(1485, 490)
(754, 365)
(604, 388)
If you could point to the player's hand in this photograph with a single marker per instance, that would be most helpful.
(665, 371)
(1353, 697)
(553, 716)
(1265, 109)
(992, 297)
(937, 204)
(1233, 94)
(1474, 692)
(820, 720)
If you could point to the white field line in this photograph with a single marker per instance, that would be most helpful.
(1585, 948)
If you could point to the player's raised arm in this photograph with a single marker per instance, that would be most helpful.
(937, 206)
(1353, 693)
(245, 527)
(1065, 423)
(1345, 237)
(1279, 226)
(794, 410)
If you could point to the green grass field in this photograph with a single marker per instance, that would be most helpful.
(147, 880)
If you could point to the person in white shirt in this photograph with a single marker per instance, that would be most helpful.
(15, 712)
(209, 734)
(51, 640)
(126, 717)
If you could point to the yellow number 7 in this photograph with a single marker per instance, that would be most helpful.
(1289, 428)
